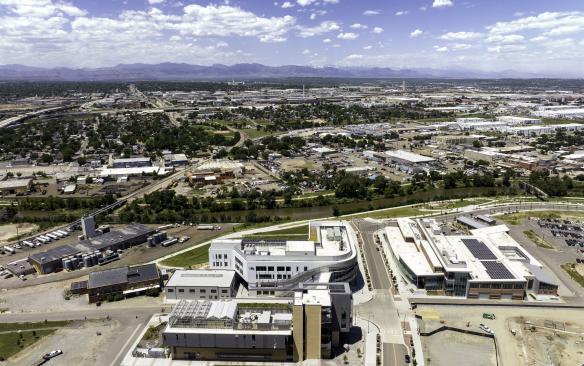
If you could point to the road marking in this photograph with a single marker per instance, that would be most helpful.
(115, 363)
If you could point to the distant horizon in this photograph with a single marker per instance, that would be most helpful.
(536, 36)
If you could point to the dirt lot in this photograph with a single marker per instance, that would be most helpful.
(450, 348)
(563, 348)
(9, 231)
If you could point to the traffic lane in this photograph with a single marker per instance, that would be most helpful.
(394, 354)
(375, 265)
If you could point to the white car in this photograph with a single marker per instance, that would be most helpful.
(52, 354)
(486, 329)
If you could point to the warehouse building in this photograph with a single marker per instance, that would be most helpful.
(51, 260)
(15, 186)
(131, 162)
(122, 282)
(175, 160)
(201, 284)
(487, 264)
(268, 266)
(118, 239)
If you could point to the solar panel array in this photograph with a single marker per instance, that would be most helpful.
(497, 270)
(479, 250)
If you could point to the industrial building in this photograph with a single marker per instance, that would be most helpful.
(278, 266)
(305, 327)
(123, 281)
(119, 238)
(486, 264)
(131, 162)
(175, 160)
(54, 259)
(15, 186)
(201, 284)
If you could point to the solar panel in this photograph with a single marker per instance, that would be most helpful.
(478, 249)
(497, 271)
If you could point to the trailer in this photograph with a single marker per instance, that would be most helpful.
(28, 243)
(164, 227)
(58, 234)
(47, 238)
(52, 236)
(169, 242)
(9, 249)
(64, 232)
(42, 239)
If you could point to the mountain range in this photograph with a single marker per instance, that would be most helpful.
(187, 72)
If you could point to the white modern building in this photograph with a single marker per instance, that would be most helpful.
(271, 267)
(200, 284)
(544, 130)
(514, 120)
(487, 264)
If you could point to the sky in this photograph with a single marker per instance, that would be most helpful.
(488, 35)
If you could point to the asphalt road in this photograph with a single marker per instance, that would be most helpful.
(377, 270)
(394, 354)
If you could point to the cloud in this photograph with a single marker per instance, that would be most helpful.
(154, 2)
(323, 27)
(316, 2)
(461, 36)
(287, 5)
(326, 40)
(565, 21)
(505, 39)
(401, 12)
(368, 47)
(442, 3)
(371, 12)
(377, 30)
(507, 48)
(416, 33)
(358, 26)
(441, 49)
(355, 57)
(348, 36)
(306, 52)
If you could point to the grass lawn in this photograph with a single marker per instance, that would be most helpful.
(190, 258)
(15, 337)
(391, 213)
(13, 342)
(515, 218)
(538, 240)
(252, 133)
(24, 326)
(570, 268)
(294, 233)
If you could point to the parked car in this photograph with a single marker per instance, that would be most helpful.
(52, 354)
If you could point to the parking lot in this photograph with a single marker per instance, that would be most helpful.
(571, 231)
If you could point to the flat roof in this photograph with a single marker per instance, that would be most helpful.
(123, 275)
(53, 254)
(201, 277)
(116, 236)
(408, 156)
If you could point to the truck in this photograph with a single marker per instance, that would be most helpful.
(9, 249)
(64, 232)
(208, 227)
(58, 234)
(489, 316)
(46, 238)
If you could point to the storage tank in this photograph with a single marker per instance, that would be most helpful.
(67, 265)
(87, 261)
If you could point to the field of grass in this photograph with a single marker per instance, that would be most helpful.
(5, 327)
(570, 268)
(538, 240)
(13, 342)
(253, 133)
(294, 233)
(515, 218)
(15, 337)
(190, 258)
(391, 213)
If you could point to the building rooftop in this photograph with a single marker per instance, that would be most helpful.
(116, 236)
(201, 277)
(123, 275)
(408, 156)
(53, 254)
